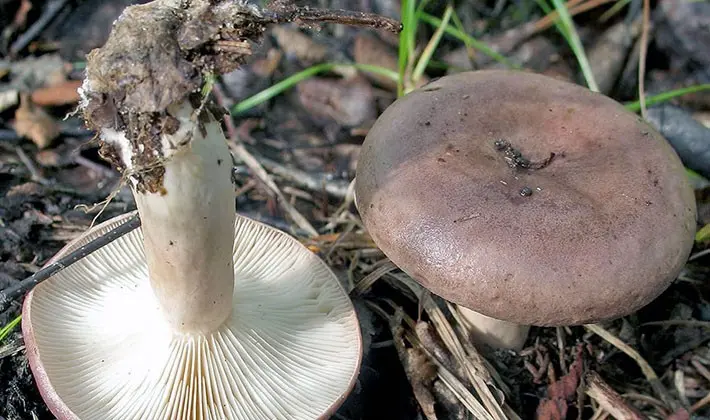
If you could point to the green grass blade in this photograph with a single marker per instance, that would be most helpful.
(467, 39)
(407, 40)
(7, 329)
(208, 85)
(426, 55)
(294, 79)
(616, 8)
(390, 74)
(575, 44)
(666, 96)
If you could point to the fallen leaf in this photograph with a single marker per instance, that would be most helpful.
(371, 51)
(349, 102)
(61, 94)
(34, 123)
(296, 43)
(559, 393)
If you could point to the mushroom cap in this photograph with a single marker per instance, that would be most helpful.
(597, 233)
(99, 347)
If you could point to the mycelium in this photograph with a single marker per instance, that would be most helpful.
(200, 314)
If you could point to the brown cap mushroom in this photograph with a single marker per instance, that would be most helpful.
(526, 198)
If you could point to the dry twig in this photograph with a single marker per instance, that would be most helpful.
(646, 369)
(243, 154)
(608, 399)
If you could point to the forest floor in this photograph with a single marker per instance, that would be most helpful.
(301, 108)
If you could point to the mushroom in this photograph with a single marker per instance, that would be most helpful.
(526, 200)
(200, 313)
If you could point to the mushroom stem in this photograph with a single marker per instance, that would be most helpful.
(188, 227)
(494, 332)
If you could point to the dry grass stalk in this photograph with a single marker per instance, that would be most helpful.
(476, 371)
(366, 282)
(646, 369)
(258, 170)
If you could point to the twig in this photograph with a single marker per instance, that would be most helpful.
(608, 399)
(417, 366)
(96, 167)
(343, 212)
(649, 400)
(679, 322)
(472, 362)
(50, 11)
(574, 9)
(306, 180)
(448, 399)
(258, 170)
(684, 347)
(702, 370)
(561, 348)
(679, 383)
(286, 13)
(642, 56)
(700, 404)
(13, 292)
(243, 154)
(433, 344)
(646, 369)
(446, 376)
(34, 171)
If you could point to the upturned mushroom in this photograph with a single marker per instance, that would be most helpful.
(200, 313)
(526, 200)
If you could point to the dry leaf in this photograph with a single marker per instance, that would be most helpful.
(371, 51)
(34, 123)
(266, 66)
(349, 102)
(63, 93)
(298, 44)
(555, 406)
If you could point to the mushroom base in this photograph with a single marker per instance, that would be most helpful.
(100, 347)
(494, 332)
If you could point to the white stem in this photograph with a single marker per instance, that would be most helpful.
(494, 332)
(188, 229)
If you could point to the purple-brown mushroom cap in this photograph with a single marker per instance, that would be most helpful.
(526, 198)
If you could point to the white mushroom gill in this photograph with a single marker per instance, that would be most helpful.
(103, 349)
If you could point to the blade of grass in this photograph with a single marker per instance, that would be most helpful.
(666, 96)
(467, 39)
(7, 329)
(642, 57)
(574, 8)
(294, 79)
(549, 12)
(406, 40)
(426, 55)
(613, 10)
(575, 44)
